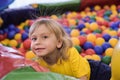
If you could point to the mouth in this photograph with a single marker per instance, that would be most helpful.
(39, 49)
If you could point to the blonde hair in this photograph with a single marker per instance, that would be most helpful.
(59, 32)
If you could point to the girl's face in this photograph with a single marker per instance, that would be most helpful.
(43, 41)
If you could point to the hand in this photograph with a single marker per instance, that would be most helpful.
(83, 78)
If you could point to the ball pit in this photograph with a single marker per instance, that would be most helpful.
(94, 32)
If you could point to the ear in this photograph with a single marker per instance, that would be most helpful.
(59, 44)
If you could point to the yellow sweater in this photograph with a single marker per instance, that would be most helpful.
(75, 66)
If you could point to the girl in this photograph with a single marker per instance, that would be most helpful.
(55, 50)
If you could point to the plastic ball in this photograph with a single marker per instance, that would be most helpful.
(82, 39)
(80, 26)
(13, 43)
(27, 44)
(98, 50)
(11, 34)
(93, 26)
(1, 37)
(96, 57)
(99, 41)
(113, 33)
(88, 56)
(24, 36)
(75, 40)
(17, 36)
(74, 33)
(29, 55)
(97, 7)
(113, 42)
(109, 52)
(106, 37)
(11, 27)
(106, 45)
(89, 51)
(91, 38)
(79, 49)
(106, 60)
(88, 45)
(5, 41)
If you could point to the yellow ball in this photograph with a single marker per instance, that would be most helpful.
(87, 25)
(17, 36)
(75, 33)
(93, 26)
(13, 43)
(91, 38)
(29, 55)
(96, 57)
(88, 56)
(99, 41)
(54, 17)
(97, 7)
(109, 52)
(75, 41)
(72, 22)
(113, 33)
(5, 42)
(113, 42)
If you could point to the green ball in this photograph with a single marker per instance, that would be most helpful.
(79, 49)
(106, 60)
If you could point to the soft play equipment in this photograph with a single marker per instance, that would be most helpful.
(32, 11)
(115, 62)
(14, 66)
(4, 4)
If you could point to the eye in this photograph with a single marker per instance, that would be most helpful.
(45, 37)
(33, 39)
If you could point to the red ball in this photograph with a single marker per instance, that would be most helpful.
(83, 54)
(26, 44)
(1, 37)
(82, 39)
(90, 52)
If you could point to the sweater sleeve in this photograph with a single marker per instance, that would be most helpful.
(79, 65)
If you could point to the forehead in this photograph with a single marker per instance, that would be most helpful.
(42, 29)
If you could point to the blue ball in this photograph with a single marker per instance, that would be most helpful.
(106, 37)
(88, 45)
(80, 26)
(24, 36)
(1, 32)
(98, 50)
(67, 29)
(11, 34)
(106, 45)
(11, 27)
(6, 30)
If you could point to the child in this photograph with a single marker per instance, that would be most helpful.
(55, 50)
